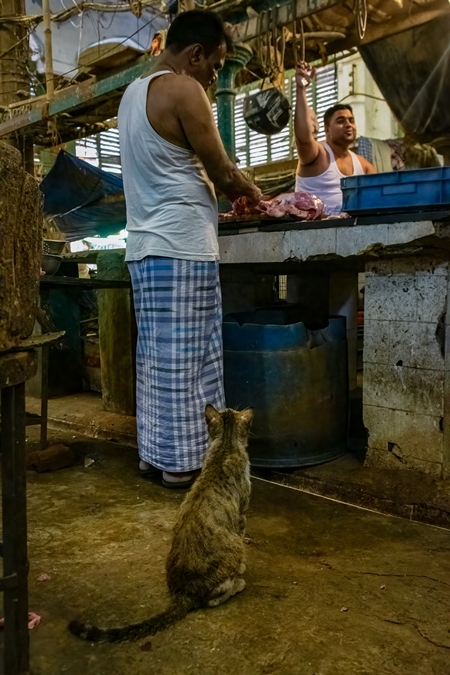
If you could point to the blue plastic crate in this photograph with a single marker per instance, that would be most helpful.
(413, 190)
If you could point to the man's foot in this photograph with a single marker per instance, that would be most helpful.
(146, 469)
(182, 479)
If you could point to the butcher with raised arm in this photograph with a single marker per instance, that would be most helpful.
(322, 165)
(172, 158)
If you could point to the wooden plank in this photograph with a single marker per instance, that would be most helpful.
(297, 9)
(39, 109)
(75, 282)
(36, 341)
(82, 257)
(117, 336)
(17, 368)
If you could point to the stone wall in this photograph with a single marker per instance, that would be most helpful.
(405, 370)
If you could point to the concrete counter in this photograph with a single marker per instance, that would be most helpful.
(332, 242)
(406, 392)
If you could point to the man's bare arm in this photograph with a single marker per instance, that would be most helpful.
(366, 165)
(308, 148)
(197, 120)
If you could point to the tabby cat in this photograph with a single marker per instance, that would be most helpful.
(206, 559)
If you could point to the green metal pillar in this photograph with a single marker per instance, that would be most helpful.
(225, 95)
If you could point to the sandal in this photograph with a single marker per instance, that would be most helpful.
(150, 472)
(180, 484)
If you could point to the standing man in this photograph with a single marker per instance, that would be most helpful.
(322, 165)
(172, 157)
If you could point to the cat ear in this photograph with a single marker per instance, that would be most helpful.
(211, 414)
(247, 415)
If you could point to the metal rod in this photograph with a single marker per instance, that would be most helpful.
(16, 644)
(302, 34)
(44, 395)
(294, 42)
(49, 77)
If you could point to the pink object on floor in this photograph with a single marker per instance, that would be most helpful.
(43, 577)
(33, 621)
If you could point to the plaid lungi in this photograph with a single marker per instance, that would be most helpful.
(179, 361)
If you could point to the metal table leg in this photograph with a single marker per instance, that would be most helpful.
(15, 562)
(44, 396)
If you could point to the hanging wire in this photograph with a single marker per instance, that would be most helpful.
(66, 84)
(274, 37)
(282, 47)
(67, 8)
(108, 50)
(360, 11)
(294, 42)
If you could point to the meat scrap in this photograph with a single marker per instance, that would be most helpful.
(301, 205)
(244, 207)
(33, 621)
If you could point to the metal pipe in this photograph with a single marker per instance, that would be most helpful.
(226, 93)
(49, 77)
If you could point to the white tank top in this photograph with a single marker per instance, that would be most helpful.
(171, 203)
(327, 185)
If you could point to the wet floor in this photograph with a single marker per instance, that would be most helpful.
(331, 589)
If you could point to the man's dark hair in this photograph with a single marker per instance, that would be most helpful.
(198, 26)
(334, 108)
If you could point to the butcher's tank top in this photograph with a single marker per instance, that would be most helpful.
(170, 201)
(327, 185)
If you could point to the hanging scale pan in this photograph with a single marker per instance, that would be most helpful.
(267, 111)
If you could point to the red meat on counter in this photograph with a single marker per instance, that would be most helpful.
(301, 205)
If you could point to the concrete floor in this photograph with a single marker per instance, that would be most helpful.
(397, 492)
(331, 589)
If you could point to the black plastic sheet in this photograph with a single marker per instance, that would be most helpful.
(412, 70)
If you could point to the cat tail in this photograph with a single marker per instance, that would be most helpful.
(177, 610)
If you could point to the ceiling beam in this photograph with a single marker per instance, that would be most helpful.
(281, 16)
(416, 16)
(79, 96)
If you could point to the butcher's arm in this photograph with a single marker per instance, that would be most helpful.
(197, 120)
(308, 148)
(366, 165)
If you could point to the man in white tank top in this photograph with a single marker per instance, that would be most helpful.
(322, 165)
(172, 157)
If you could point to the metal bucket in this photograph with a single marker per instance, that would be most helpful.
(295, 380)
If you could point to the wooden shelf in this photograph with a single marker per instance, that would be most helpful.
(86, 284)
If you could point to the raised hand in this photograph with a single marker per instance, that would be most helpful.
(304, 74)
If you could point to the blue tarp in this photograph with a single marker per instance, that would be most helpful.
(82, 200)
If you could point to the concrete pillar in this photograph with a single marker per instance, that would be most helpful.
(343, 301)
(117, 335)
(407, 364)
